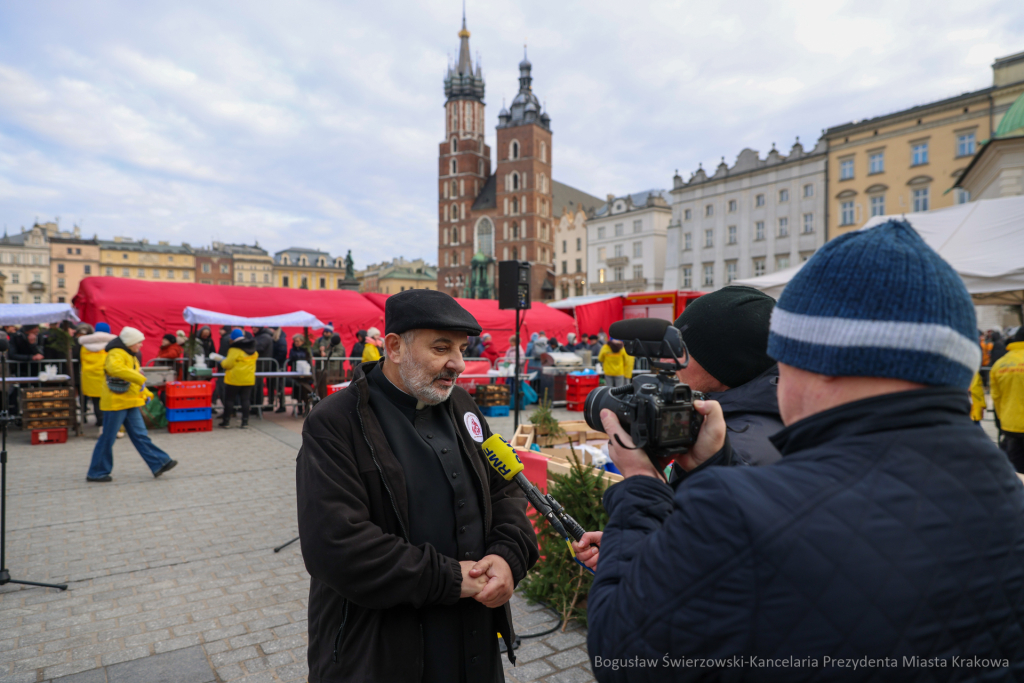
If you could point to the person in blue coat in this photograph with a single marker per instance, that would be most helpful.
(890, 534)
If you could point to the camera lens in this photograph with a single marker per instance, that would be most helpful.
(596, 400)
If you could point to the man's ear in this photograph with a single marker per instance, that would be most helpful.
(393, 347)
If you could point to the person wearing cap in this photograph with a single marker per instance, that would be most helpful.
(892, 527)
(124, 392)
(91, 357)
(371, 350)
(239, 377)
(490, 352)
(357, 348)
(331, 354)
(413, 542)
(1006, 380)
(169, 348)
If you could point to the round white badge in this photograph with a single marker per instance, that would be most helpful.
(473, 425)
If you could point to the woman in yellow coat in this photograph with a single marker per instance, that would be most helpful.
(617, 364)
(124, 392)
(371, 351)
(92, 357)
(239, 377)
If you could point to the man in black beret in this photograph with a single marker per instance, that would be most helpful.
(413, 542)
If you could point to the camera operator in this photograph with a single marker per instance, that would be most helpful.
(891, 527)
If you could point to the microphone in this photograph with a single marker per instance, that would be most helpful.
(504, 459)
(335, 340)
(650, 337)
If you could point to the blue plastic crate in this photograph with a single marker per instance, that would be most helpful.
(495, 411)
(189, 414)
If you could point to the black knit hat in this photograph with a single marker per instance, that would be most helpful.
(727, 333)
(427, 309)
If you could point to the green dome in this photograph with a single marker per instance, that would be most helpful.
(1013, 120)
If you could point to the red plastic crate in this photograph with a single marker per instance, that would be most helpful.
(189, 390)
(576, 406)
(190, 426)
(56, 435)
(578, 394)
(582, 380)
(190, 401)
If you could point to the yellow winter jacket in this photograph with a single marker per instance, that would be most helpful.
(616, 364)
(978, 404)
(370, 352)
(123, 365)
(239, 368)
(92, 372)
(1006, 382)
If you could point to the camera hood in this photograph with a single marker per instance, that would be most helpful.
(649, 337)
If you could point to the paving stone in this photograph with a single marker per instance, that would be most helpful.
(182, 666)
(575, 675)
(90, 676)
(567, 658)
(531, 671)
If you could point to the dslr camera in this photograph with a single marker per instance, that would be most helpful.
(656, 409)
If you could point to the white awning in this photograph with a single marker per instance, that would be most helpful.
(34, 314)
(198, 316)
(574, 301)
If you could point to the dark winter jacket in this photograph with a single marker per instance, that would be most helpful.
(998, 350)
(892, 527)
(21, 349)
(265, 343)
(280, 346)
(367, 581)
(298, 353)
(752, 415)
(208, 345)
(225, 344)
(357, 352)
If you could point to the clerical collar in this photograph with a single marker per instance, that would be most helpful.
(394, 394)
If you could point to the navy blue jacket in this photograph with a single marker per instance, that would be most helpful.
(752, 415)
(892, 527)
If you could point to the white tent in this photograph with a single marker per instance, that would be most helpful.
(198, 316)
(982, 240)
(574, 301)
(34, 314)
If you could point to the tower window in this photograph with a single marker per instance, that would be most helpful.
(515, 181)
(455, 235)
(455, 145)
(455, 167)
(515, 205)
(514, 151)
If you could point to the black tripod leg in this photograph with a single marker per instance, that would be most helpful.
(285, 545)
(5, 578)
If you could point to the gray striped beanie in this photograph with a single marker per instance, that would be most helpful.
(878, 303)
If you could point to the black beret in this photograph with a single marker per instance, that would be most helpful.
(427, 309)
(727, 333)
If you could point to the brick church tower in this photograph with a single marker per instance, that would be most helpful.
(484, 218)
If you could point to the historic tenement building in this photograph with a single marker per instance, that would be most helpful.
(485, 217)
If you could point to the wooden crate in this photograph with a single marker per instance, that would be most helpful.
(55, 392)
(559, 458)
(45, 423)
(491, 395)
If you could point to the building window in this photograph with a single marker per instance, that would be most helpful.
(962, 196)
(60, 283)
(600, 233)
(709, 210)
(579, 243)
(579, 265)
(110, 271)
(142, 273)
(783, 196)
(15, 299)
(60, 299)
(687, 215)
(618, 229)
(878, 205)
(206, 267)
(239, 276)
(15, 278)
(709, 275)
(37, 299)
(455, 168)
(170, 274)
(759, 200)
(808, 223)
(565, 267)
(515, 150)
(730, 271)
(732, 235)
(876, 163)
(305, 283)
(515, 181)
(921, 199)
(601, 253)
(60, 267)
(565, 246)
(846, 169)
(781, 262)
(965, 145)
(87, 269)
(784, 227)
(759, 230)
(619, 275)
(688, 241)
(732, 206)
(125, 272)
(543, 152)
(224, 268)
(758, 267)
(920, 154)
(709, 238)
(808, 190)
(618, 250)
(266, 277)
(846, 213)
(687, 277)
(638, 249)
(70, 250)
(323, 283)
(638, 272)
(284, 281)
(600, 275)
(638, 226)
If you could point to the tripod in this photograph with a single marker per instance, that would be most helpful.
(6, 419)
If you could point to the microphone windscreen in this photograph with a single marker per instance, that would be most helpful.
(335, 340)
(502, 457)
(644, 329)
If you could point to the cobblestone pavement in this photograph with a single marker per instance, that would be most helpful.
(178, 573)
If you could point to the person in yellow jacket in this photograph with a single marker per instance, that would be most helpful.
(239, 377)
(124, 392)
(617, 364)
(371, 351)
(1006, 382)
(91, 358)
(978, 404)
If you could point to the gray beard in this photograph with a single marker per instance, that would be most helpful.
(421, 385)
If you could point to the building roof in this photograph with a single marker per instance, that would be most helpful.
(488, 197)
(145, 246)
(240, 249)
(311, 255)
(750, 161)
(526, 108)
(1012, 123)
(636, 201)
(403, 274)
(917, 109)
(567, 198)
(461, 82)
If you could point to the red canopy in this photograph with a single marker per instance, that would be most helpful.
(598, 316)
(501, 324)
(156, 308)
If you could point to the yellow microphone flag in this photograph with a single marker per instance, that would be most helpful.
(502, 457)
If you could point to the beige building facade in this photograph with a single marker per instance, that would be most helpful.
(72, 259)
(140, 260)
(253, 266)
(626, 243)
(910, 160)
(25, 261)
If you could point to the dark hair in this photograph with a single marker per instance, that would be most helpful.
(171, 338)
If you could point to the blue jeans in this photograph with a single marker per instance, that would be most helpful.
(103, 454)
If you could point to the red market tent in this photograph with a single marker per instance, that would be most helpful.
(156, 308)
(501, 324)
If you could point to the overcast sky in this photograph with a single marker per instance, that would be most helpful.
(317, 123)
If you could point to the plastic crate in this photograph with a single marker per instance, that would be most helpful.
(495, 411)
(189, 414)
(175, 402)
(41, 436)
(582, 380)
(334, 388)
(189, 389)
(190, 426)
(47, 393)
(578, 394)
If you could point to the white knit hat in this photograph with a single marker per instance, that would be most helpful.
(131, 336)
(373, 332)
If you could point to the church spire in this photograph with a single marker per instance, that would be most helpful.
(465, 61)
(461, 82)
